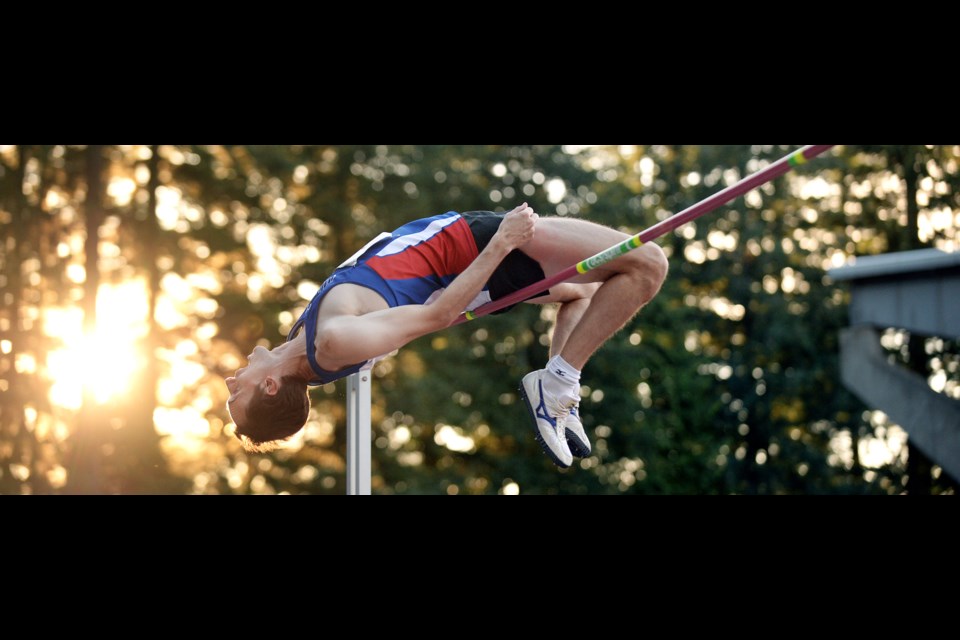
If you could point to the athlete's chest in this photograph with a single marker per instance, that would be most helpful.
(349, 300)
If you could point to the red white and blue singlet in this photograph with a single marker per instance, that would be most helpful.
(413, 265)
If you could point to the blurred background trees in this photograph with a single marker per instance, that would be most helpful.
(133, 278)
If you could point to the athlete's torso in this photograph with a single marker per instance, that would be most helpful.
(411, 265)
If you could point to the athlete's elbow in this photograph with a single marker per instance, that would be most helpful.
(440, 317)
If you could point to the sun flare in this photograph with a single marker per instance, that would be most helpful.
(105, 360)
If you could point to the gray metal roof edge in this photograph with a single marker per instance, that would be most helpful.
(900, 262)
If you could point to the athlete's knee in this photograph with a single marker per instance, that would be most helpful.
(649, 264)
(657, 263)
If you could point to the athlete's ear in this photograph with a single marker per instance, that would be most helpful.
(271, 386)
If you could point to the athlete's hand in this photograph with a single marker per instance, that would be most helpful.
(517, 227)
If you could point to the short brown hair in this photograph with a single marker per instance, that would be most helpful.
(271, 419)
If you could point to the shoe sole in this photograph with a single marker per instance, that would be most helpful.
(577, 448)
(536, 431)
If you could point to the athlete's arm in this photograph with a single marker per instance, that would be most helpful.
(346, 340)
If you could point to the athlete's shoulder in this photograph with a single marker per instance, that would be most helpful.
(424, 228)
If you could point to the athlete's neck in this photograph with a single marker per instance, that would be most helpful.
(293, 358)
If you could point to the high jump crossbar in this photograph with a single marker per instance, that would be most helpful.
(358, 385)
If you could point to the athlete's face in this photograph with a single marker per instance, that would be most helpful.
(257, 374)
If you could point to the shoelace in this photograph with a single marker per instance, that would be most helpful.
(562, 421)
(561, 428)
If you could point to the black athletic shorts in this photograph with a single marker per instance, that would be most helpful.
(518, 270)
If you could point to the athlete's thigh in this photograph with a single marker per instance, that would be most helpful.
(559, 243)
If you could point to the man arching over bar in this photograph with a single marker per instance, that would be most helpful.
(418, 280)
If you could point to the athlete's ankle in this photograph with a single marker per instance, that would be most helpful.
(562, 381)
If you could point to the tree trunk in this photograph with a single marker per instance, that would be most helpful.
(86, 473)
(34, 243)
(151, 251)
(12, 419)
(147, 470)
(919, 466)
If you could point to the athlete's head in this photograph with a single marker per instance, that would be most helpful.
(266, 404)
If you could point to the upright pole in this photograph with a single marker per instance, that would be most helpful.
(358, 434)
(778, 168)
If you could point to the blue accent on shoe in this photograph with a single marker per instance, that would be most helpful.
(542, 408)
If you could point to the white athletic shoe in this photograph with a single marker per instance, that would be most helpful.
(577, 438)
(548, 417)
